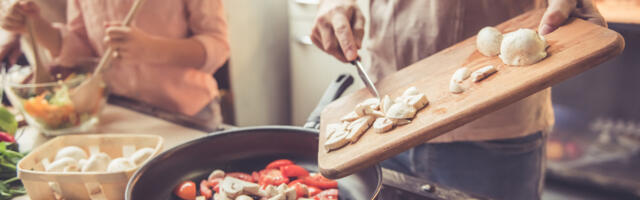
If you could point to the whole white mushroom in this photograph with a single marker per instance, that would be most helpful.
(97, 163)
(64, 164)
(522, 47)
(74, 152)
(141, 155)
(488, 41)
(120, 164)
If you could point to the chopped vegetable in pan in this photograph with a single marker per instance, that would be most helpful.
(279, 180)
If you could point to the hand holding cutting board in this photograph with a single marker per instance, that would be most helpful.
(446, 111)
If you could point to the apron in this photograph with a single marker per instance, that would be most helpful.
(405, 31)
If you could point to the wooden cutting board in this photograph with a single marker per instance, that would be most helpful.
(573, 49)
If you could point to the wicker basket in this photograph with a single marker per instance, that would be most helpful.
(82, 185)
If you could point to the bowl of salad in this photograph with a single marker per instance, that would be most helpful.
(50, 106)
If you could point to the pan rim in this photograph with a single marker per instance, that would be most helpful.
(136, 175)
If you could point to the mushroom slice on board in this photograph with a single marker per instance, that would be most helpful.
(401, 110)
(382, 125)
(483, 73)
(337, 140)
(418, 101)
(385, 103)
(358, 127)
(350, 117)
(367, 106)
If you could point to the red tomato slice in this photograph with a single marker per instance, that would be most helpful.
(205, 190)
(241, 176)
(294, 171)
(255, 176)
(319, 181)
(330, 194)
(186, 190)
(272, 177)
(278, 163)
(313, 191)
(214, 183)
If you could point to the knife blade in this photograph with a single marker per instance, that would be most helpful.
(365, 78)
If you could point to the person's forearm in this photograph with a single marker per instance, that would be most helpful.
(184, 52)
(47, 36)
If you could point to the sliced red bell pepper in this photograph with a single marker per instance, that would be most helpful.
(272, 177)
(255, 175)
(293, 171)
(279, 163)
(319, 181)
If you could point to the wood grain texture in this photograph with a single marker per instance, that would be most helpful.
(574, 48)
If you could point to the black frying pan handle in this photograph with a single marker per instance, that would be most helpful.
(333, 92)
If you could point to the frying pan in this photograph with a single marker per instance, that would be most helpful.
(246, 150)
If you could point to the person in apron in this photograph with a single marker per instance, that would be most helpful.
(500, 155)
(166, 58)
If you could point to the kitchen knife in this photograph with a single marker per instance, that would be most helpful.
(365, 78)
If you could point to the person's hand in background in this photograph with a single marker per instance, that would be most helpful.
(9, 47)
(560, 10)
(129, 42)
(339, 29)
(15, 19)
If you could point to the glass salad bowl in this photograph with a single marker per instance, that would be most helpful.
(53, 107)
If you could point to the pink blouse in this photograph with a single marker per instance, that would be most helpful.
(177, 88)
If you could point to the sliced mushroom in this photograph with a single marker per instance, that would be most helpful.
(230, 188)
(401, 110)
(358, 127)
(418, 101)
(483, 73)
(367, 106)
(350, 117)
(337, 140)
(455, 87)
(290, 193)
(411, 91)
(377, 113)
(385, 103)
(234, 187)
(216, 174)
(460, 75)
(382, 125)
